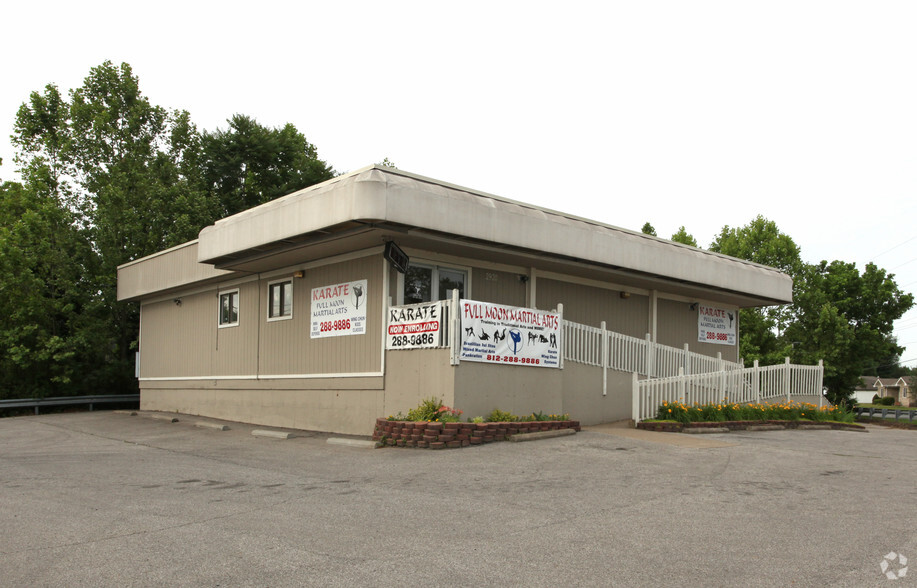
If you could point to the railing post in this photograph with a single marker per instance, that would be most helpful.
(604, 360)
(786, 378)
(682, 393)
(756, 383)
(650, 356)
(560, 322)
(635, 398)
(821, 382)
(687, 361)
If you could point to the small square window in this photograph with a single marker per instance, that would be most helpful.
(229, 308)
(280, 300)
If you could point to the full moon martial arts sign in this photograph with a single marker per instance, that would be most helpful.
(716, 325)
(339, 310)
(492, 333)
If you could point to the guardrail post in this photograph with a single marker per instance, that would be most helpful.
(604, 360)
(786, 378)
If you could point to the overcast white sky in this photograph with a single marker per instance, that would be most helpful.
(702, 113)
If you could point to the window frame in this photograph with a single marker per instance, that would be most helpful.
(232, 293)
(270, 301)
(434, 279)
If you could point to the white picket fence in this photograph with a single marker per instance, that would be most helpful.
(748, 385)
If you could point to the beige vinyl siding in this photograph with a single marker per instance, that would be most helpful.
(235, 349)
(177, 340)
(676, 324)
(589, 305)
(286, 346)
(497, 287)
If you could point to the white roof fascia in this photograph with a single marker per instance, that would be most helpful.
(383, 194)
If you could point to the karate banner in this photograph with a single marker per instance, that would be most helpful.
(493, 333)
(415, 326)
(339, 310)
(716, 325)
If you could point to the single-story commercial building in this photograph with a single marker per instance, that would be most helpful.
(318, 310)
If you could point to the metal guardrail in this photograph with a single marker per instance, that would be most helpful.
(886, 413)
(68, 401)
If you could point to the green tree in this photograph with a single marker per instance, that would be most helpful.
(125, 170)
(248, 164)
(846, 318)
(648, 229)
(42, 339)
(682, 236)
(760, 329)
(109, 177)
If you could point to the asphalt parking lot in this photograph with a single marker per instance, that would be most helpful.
(108, 499)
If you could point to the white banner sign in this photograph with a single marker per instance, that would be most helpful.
(339, 310)
(415, 326)
(493, 333)
(716, 325)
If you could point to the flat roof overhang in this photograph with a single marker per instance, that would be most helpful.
(366, 207)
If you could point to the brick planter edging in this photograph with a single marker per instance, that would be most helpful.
(746, 425)
(425, 435)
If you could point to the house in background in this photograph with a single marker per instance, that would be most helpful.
(282, 315)
(901, 389)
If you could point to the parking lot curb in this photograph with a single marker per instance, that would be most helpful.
(272, 434)
(360, 443)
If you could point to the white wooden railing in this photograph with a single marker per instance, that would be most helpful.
(748, 385)
(600, 347)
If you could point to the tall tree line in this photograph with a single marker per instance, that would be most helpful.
(109, 177)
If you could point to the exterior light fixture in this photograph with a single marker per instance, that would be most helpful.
(299, 274)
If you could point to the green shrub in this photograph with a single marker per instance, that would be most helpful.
(499, 416)
(888, 400)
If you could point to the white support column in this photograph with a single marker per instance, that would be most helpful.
(455, 327)
(560, 323)
(604, 360)
(686, 362)
(651, 318)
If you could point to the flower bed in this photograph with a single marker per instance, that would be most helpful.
(763, 425)
(436, 435)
